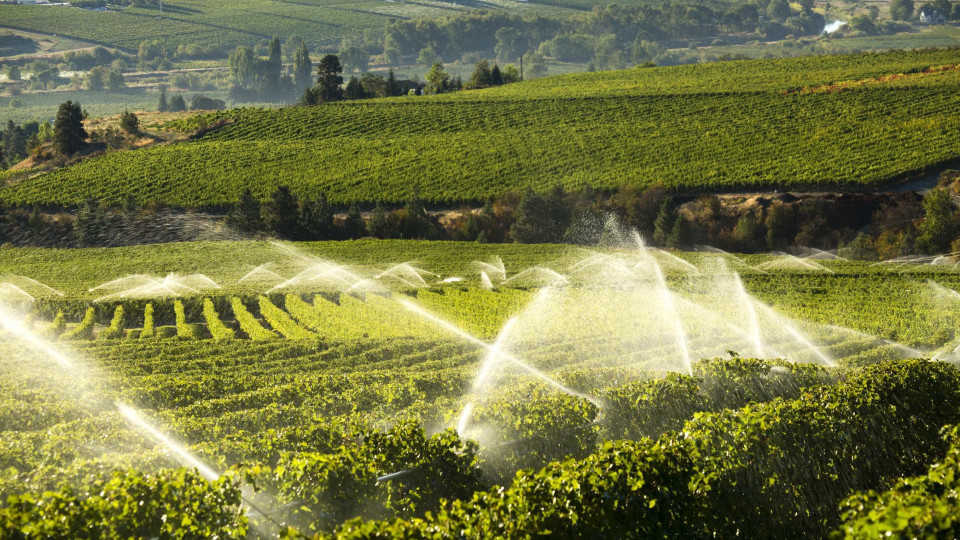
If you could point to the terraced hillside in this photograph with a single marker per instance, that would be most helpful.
(850, 122)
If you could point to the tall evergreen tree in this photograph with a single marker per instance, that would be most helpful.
(379, 225)
(393, 87)
(163, 106)
(534, 221)
(302, 69)
(663, 224)
(329, 80)
(89, 225)
(353, 226)
(68, 133)
(280, 213)
(14, 142)
(271, 70)
(246, 213)
(316, 219)
(496, 78)
(354, 89)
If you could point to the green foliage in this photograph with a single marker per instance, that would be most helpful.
(281, 322)
(115, 330)
(148, 328)
(129, 504)
(881, 423)
(216, 327)
(184, 330)
(524, 137)
(917, 507)
(84, 330)
(68, 133)
(129, 123)
(248, 323)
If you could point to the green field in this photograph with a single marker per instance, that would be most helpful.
(336, 396)
(725, 126)
(228, 23)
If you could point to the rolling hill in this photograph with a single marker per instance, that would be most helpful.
(841, 122)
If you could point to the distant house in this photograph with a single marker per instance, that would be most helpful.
(932, 16)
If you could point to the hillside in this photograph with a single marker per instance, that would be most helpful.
(229, 23)
(849, 122)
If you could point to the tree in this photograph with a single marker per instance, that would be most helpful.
(427, 56)
(901, 10)
(242, 64)
(496, 78)
(779, 10)
(246, 213)
(379, 225)
(178, 104)
(68, 133)
(14, 142)
(354, 58)
(510, 43)
(939, 226)
(115, 81)
(270, 69)
(14, 73)
(535, 221)
(97, 78)
(534, 65)
(863, 23)
(129, 122)
(663, 224)
(302, 68)
(280, 213)
(955, 13)
(780, 225)
(438, 80)
(316, 219)
(680, 233)
(328, 84)
(510, 74)
(354, 89)
(163, 106)
(353, 226)
(393, 87)
(90, 223)
(481, 75)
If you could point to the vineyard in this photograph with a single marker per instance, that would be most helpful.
(726, 126)
(228, 23)
(261, 389)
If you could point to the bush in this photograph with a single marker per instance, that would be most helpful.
(216, 327)
(115, 330)
(919, 507)
(84, 330)
(148, 328)
(130, 504)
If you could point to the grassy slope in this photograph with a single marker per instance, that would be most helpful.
(715, 126)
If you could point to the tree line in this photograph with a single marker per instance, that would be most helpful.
(869, 227)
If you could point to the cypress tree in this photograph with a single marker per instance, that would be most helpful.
(68, 133)
(163, 106)
(246, 213)
(280, 213)
(663, 224)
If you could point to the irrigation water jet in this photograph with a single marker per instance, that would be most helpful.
(667, 296)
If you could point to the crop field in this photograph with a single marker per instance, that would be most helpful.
(249, 389)
(228, 23)
(871, 120)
